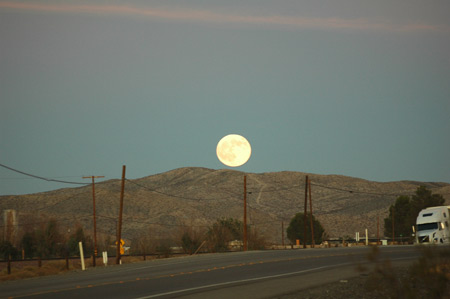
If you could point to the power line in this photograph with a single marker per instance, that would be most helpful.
(176, 196)
(288, 188)
(58, 202)
(356, 191)
(134, 220)
(41, 178)
(51, 218)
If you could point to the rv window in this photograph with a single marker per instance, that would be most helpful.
(427, 226)
(428, 214)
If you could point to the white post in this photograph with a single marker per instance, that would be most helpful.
(357, 237)
(105, 258)
(367, 238)
(81, 256)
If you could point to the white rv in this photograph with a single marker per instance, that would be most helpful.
(432, 225)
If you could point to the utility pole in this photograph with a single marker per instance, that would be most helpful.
(119, 225)
(378, 230)
(245, 213)
(304, 215)
(95, 223)
(311, 215)
(282, 233)
(393, 225)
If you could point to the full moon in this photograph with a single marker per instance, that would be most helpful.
(233, 150)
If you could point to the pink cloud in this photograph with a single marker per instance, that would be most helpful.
(215, 17)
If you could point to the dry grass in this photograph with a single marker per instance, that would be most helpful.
(29, 269)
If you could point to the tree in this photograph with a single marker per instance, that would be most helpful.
(295, 229)
(424, 199)
(8, 250)
(49, 240)
(224, 231)
(79, 236)
(406, 209)
(255, 240)
(190, 238)
(403, 219)
(29, 244)
(189, 243)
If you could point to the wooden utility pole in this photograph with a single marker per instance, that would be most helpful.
(119, 225)
(245, 213)
(393, 225)
(311, 215)
(282, 233)
(95, 222)
(378, 230)
(304, 215)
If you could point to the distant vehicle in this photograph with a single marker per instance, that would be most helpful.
(432, 225)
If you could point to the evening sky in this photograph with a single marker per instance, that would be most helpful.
(358, 88)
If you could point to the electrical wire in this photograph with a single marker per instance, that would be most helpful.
(47, 220)
(42, 178)
(192, 198)
(288, 188)
(356, 191)
(58, 202)
(175, 196)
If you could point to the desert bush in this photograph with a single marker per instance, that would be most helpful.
(222, 232)
(428, 277)
(48, 268)
(255, 240)
(163, 249)
(191, 238)
(7, 250)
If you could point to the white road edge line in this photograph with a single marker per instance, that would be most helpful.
(240, 281)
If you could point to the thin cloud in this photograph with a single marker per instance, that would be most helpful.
(215, 17)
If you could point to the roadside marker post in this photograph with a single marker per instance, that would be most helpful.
(105, 258)
(81, 256)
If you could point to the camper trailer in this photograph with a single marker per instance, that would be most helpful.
(432, 225)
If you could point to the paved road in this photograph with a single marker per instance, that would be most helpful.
(253, 274)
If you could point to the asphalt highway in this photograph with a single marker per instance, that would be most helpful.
(252, 274)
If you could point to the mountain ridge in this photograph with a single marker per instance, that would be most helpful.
(165, 203)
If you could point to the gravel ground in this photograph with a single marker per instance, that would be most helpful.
(356, 287)
(349, 288)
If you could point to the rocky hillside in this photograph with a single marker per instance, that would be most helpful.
(194, 198)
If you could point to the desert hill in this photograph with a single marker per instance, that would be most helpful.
(195, 197)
